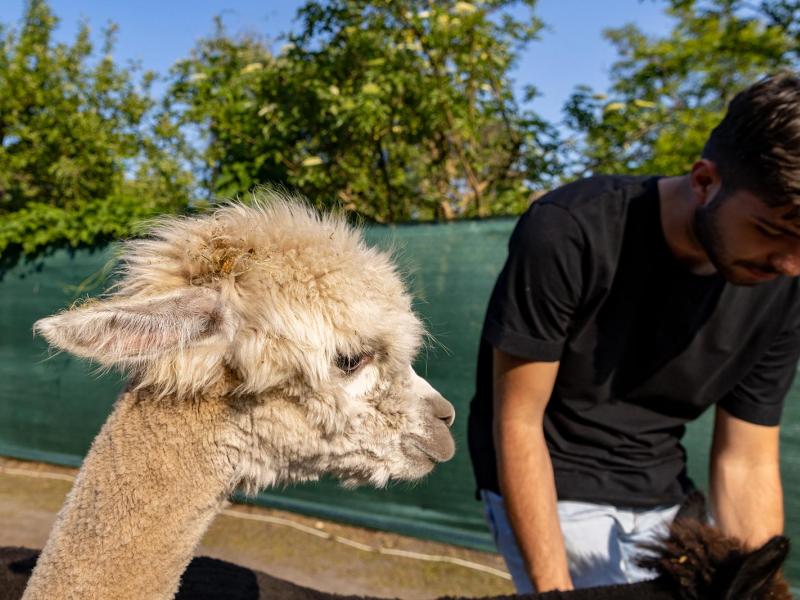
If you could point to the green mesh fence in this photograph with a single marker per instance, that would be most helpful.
(51, 407)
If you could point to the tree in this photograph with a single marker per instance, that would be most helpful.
(668, 93)
(397, 110)
(81, 160)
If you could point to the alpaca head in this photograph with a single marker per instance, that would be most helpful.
(702, 562)
(285, 315)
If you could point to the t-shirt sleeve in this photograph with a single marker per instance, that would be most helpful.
(758, 397)
(539, 288)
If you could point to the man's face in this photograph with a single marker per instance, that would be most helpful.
(747, 241)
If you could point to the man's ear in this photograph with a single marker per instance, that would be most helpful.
(757, 570)
(705, 180)
(125, 331)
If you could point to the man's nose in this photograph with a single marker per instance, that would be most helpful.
(786, 264)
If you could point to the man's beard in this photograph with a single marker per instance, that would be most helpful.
(706, 229)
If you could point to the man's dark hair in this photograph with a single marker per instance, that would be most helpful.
(756, 147)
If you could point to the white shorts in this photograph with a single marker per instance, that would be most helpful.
(602, 541)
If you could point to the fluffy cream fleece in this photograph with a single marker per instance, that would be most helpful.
(264, 344)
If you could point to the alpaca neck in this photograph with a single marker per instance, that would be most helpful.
(157, 473)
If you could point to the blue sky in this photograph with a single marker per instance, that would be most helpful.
(158, 33)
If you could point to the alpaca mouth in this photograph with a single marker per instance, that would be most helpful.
(439, 449)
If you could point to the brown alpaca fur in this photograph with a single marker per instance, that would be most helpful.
(701, 562)
(264, 344)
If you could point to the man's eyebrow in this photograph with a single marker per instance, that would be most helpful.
(790, 231)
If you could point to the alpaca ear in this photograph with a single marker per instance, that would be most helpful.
(693, 508)
(128, 331)
(758, 569)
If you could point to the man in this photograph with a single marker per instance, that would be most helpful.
(627, 307)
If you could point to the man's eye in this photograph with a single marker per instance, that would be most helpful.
(769, 232)
(350, 364)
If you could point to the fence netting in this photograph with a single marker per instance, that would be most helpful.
(51, 406)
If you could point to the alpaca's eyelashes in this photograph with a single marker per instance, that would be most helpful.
(350, 364)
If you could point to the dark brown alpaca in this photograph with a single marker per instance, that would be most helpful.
(693, 562)
(701, 562)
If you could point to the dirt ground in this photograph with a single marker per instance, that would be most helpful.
(307, 551)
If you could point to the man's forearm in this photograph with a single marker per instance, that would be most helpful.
(747, 501)
(529, 494)
(522, 390)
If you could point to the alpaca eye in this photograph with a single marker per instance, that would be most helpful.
(350, 364)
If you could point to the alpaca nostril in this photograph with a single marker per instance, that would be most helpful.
(443, 410)
(449, 419)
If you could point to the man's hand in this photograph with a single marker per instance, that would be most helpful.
(746, 493)
(521, 392)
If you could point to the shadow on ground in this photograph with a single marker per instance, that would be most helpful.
(28, 505)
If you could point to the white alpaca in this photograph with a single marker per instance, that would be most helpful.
(264, 345)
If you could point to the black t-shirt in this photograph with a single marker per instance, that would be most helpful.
(645, 345)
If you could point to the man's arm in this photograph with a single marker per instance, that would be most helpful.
(521, 392)
(746, 493)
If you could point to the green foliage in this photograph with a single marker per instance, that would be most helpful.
(668, 93)
(39, 228)
(397, 110)
(80, 160)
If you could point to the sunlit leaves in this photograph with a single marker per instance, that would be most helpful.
(668, 92)
(396, 110)
(81, 154)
